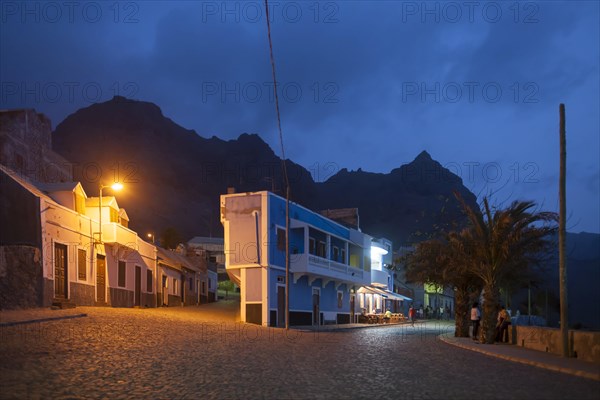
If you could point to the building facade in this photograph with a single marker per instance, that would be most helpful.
(329, 262)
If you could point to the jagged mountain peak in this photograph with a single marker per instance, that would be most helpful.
(423, 156)
(176, 176)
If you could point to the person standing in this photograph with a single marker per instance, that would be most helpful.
(411, 315)
(502, 325)
(475, 318)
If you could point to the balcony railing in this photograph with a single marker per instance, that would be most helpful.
(113, 232)
(335, 266)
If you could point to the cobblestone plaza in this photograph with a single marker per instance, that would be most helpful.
(196, 352)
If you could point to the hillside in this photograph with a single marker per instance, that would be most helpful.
(173, 177)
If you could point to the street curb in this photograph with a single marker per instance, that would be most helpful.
(350, 328)
(34, 321)
(555, 368)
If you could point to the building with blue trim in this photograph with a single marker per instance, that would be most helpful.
(329, 261)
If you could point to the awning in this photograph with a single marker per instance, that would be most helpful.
(383, 292)
(397, 296)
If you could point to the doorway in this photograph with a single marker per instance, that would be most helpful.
(137, 298)
(101, 279)
(165, 289)
(316, 294)
(280, 306)
(60, 271)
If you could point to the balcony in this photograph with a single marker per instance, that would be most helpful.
(314, 265)
(113, 232)
(379, 278)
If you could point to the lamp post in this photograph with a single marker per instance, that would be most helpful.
(115, 186)
(151, 236)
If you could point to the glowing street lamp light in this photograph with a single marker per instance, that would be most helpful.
(116, 187)
(151, 237)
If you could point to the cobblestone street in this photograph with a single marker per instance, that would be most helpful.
(202, 352)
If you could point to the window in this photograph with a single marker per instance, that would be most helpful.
(312, 249)
(114, 215)
(340, 298)
(336, 253)
(321, 249)
(280, 239)
(122, 266)
(343, 258)
(212, 259)
(79, 204)
(209, 283)
(81, 264)
(149, 281)
(203, 287)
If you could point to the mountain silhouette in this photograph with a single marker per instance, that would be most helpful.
(173, 177)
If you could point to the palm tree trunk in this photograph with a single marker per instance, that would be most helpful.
(489, 318)
(462, 317)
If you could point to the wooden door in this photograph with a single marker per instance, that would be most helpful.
(137, 296)
(101, 279)
(165, 290)
(60, 271)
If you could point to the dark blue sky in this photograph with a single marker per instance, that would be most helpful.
(362, 84)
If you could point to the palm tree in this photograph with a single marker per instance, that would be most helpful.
(445, 263)
(503, 244)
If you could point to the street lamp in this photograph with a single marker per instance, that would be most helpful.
(115, 186)
(151, 236)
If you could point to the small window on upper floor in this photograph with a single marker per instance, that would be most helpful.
(321, 249)
(114, 215)
(280, 239)
(312, 246)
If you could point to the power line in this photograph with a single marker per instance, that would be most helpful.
(283, 165)
(285, 176)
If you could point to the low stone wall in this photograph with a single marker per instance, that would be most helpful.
(585, 345)
(82, 294)
(148, 300)
(21, 281)
(191, 299)
(120, 297)
(174, 301)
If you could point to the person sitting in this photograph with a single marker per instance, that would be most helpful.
(387, 316)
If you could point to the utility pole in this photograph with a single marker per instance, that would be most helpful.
(287, 257)
(562, 239)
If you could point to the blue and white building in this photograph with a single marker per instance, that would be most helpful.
(378, 296)
(329, 262)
